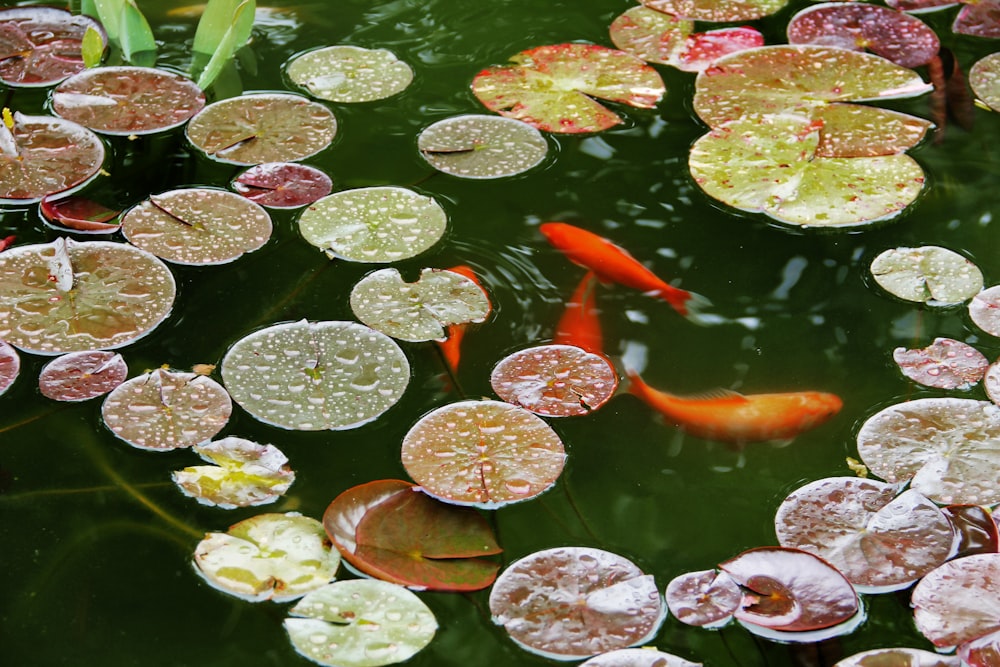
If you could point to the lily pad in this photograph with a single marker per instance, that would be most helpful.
(10, 366)
(166, 409)
(311, 376)
(979, 19)
(420, 310)
(975, 530)
(275, 557)
(360, 623)
(245, 474)
(948, 448)
(898, 657)
(283, 184)
(708, 598)
(984, 310)
(855, 130)
(982, 651)
(959, 601)
(80, 376)
(878, 540)
(40, 46)
(67, 296)
(41, 155)
(197, 226)
(262, 127)
(451, 347)
(480, 146)
(984, 78)
(79, 214)
(127, 101)
(571, 603)
(555, 380)
(638, 657)
(350, 73)
(991, 382)
(377, 224)
(945, 364)
(551, 87)
(717, 10)
(483, 453)
(927, 274)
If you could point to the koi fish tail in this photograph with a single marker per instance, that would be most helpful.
(687, 304)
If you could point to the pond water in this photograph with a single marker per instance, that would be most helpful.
(97, 541)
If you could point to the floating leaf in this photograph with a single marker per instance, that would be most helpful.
(275, 557)
(982, 651)
(991, 382)
(127, 100)
(978, 18)
(343, 514)
(311, 376)
(551, 87)
(927, 274)
(959, 601)
(984, 78)
(66, 296)
(555, 380)
(350, 73)
(10, 366)
(717, 10)
(420, 310)
(571, 603)
(80, 376)
(945, 364)
(638, 657)
(167, 409)
(878, 540)
(480, 146)
(855, 130)
(80, 214)
(975, 530)
(245, 474)
(197, 226)
(984, 310)
(483, 453)
(898, 657)
(40, 46)
(948, 448)
(451, 348)
(283, 184)
(708, 598)
(360, 623)
(262, 127)
(378, 224)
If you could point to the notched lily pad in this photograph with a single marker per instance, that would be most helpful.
(708, 598)
(480, 146)
(40, 46)
(80, 376)
(984, 79)
(10, 366)
(245, 474)
(984, 310)
(717, 10)
(945, 364)
(283, 184)
(960, 601)
(350, 73)
(927, 274)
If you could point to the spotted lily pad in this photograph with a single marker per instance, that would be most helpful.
(377, 224)
(959, 601)
(946, 364)
(551, 87)
(40, 46)
(166, 409)
(80, 376)
(480, 146)
(571, 603)
(898, 657)
(555, 380)
(638, 657)
(245, 474)
(360, 623)
(717, 10)
(67, 296)
(350, 73)
(991, 382)
(984, 78)
(984, 310)
(197, 226)
(855, 130)
(927, 274)
(127, 100)
(979, 19)
(420, 310)
(948, 448)
(10, 366)
(41, 155)
(311, 376)
(708, 598)
(262, 127)
(275, 557)
(283, 184)
(483, 453)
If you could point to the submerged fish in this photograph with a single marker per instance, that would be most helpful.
(451, 347)
(579, 325)
(613, 264)
(736, 418)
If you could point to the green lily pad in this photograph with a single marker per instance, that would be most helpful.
(984, 78)
(10, 366)
(927, 274)
(899, 657)
(717, 10)
(197, 226)
(551, 87)
(40, 46)
(378, 224)
(769, 164)
(275, 557)
(481, 146)
(80, 376)
(262, 127)
(245, 474)
(420, 310)
(166, 409)
(360, 623)
(311, 376)
(67, 296)
(350, 73)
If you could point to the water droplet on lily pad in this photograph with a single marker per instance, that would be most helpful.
(956, 603)
(638, 657)
(984, 310)
(481, 146)
(283, 184)
(717, 10)
(946, 364)
(984, 78)
(349, 73)
(40, 46)
(80, 376)
(927, 274)
(707, 599)
(245, 474)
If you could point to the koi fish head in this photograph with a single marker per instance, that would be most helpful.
(558, 234)
(819, 407)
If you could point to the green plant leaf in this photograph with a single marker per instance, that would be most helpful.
(92, 47)
(136, 37)
(219, 18)
(109, 13)
(229, 43)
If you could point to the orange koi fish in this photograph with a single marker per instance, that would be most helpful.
(738, 419)
(451, 348)
(613, 264)
(7, 242)
(579, 325)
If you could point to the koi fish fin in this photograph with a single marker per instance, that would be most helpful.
(778, 444)
(719, 396)
(689, 305)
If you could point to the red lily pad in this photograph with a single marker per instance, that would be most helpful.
(10, 366)
(984, 79)
(283, 184)
(945, 364)
(80, 376)
(991, 382)
(975, 529)
(79, 214)
(981, 652)
(40, 46)
(984, 309)
(959, 601)
(899, 37)
(708, 598)
(879, 541)
(570, 603)
(555, 380)
(717, 10)
(483, 453)
(551, 87)
(980, 18)
(898, 657)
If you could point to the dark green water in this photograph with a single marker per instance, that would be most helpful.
(94, 576)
